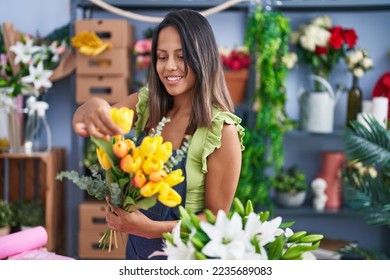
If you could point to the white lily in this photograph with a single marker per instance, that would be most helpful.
(24, 52)
(38, 76)
(177, 251)
(226, 237)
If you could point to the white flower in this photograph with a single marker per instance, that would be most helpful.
(367, 63)
(38, 76)
(358, 72)
(226, 237)
(290, 59)
(24, 52)
(324, 21)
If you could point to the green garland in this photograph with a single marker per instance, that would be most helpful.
(267, 36)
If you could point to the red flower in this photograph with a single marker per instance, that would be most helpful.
(350, 37)
(321, 50)
(236, 59)
(336, 39)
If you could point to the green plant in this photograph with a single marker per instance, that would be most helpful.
(6, 214)
(367, 176)
(29, 213)
(239, 234)
(289, 180)
(267, 36)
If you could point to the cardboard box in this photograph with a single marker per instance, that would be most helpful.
(113, 62)
(112, 89)
(118, 32)
(89, 246)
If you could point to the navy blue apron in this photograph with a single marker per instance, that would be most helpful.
(140, 248)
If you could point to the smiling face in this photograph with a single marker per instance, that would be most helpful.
(170, 63)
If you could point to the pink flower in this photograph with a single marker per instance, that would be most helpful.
(143, 46)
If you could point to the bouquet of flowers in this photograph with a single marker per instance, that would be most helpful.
(239, 234)
(132, 177)
(235, 59)
(359, 62)
(28, 64)
(322, 45)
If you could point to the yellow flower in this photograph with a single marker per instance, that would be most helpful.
(103, 158)
(164, 152)
(152, 164)
(130, 164)
(123, 117)
(139, 179)
(130, 144)
(169, 197)
(150, 188)
(174, 178)
(150, 145)
(89, 43)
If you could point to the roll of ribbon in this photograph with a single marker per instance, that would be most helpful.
(22, 241)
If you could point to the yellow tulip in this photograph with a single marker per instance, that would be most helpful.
(103, 158)
(152, 164)
(164, 152)
(150, 145)
(139, 179)
(150, 188)
(130, 164)
(130, 144)
(169, 197)
(123, 117)
(175, 177)
(158, 176)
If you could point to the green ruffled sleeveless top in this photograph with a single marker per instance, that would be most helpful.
(203, 143)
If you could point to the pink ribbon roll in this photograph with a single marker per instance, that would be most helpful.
(22, 241)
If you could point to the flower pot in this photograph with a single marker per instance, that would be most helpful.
(236, 82)
(290, 200)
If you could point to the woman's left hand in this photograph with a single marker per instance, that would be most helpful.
(134, 223)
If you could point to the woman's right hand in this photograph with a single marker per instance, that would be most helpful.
(93, 119)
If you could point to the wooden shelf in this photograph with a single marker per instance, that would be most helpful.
(33, 177)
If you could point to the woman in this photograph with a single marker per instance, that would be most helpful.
(186, 84)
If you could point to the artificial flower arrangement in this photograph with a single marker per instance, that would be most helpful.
(129, 176)
(235, 59)
(322, 45)
(359, 62)
(89, 43)
(28, 64)
(236, 235)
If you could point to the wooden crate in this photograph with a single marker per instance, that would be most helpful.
(92, 225)
(111, 89)
(118, 32)
(33, 177)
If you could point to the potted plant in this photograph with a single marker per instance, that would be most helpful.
(29, 213)
(290, 187)
(236, 63)
(6, 218)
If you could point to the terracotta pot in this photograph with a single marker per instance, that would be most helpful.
(332, 163)
(236, 82)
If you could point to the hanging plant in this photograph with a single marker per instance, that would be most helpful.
(267, 35)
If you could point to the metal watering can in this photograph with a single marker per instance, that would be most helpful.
(317, 108)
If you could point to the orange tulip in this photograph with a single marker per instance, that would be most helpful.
(158, 176)
(129, 164)
(139, 179)
(120, 149)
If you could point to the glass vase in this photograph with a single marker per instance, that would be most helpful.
(355, 96)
